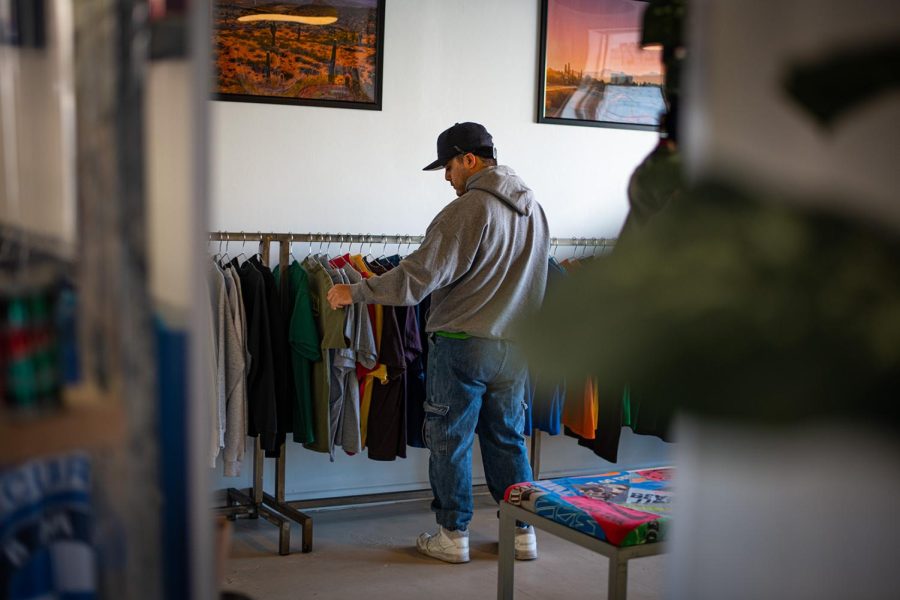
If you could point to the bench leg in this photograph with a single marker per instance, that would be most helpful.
(507, 555)
(618, 578)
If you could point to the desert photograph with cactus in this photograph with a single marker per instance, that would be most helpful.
(296, 50)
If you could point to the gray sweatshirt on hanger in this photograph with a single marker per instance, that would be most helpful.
(219, 300)
(229, 422)
(484, 260)
(343, 374)
(362, 342)
(235, 377)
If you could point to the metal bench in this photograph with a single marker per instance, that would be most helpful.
(621, 515)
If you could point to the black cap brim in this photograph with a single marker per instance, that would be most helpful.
(438, 164)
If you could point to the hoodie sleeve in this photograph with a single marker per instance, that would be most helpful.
(445, 255)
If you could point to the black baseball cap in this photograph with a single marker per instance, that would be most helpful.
(463, 138)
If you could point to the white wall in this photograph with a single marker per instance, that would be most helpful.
(302, 169)
(305, 168)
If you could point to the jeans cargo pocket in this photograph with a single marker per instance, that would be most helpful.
(434, 427)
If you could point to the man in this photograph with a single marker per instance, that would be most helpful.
(484, 260)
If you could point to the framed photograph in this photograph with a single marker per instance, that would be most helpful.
(299, 52)
(593, 70)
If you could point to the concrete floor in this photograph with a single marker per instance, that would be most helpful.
(369, 552)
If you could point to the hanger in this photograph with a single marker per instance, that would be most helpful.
(369, 256)
(573, 256)
(243, 245)
(397, 256)
(316, 254)
(384, 256)
(338, 260)
(383, 248)
(259, 247)
(223, 257)
(385, 261)
(291, 249)
(349, 248)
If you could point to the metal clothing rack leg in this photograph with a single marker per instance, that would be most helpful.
(245, 504)
(250, 504)
(277, 502)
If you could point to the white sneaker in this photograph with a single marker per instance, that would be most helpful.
(526, 543)
(448, 546)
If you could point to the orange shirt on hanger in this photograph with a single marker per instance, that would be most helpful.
(581, 409)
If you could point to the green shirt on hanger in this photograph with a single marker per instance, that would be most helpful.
(330, 327)
(304, 343)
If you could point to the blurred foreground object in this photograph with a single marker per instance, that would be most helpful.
(833, 86)
(47, 529)
(763, 306)
(737, 305)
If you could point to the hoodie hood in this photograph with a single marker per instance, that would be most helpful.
(503, 183)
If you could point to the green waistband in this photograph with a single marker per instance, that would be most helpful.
(455, 335)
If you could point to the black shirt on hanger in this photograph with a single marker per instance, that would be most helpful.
(386, 430)
(261, 408)
(280, 352)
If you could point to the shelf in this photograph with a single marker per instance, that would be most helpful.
(88, 422)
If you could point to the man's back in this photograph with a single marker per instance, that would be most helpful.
(503, 252)
(484, 258)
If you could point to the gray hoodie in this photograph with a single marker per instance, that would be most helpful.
(483, 259)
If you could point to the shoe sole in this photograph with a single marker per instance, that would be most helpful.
(526, 554)
(447, 558)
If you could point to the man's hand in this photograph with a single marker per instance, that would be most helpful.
(339, 296)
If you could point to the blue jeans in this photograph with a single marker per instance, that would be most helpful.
(474, 386)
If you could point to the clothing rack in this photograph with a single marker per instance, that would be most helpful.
(255, 502)
(363, 239)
